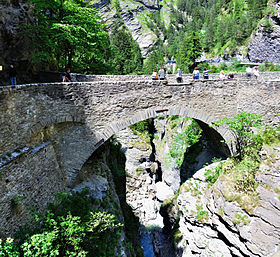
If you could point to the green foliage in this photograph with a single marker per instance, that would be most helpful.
(241, 219)
(60, 233)
(189, 49)
(154, 61)
(248, 142)
(245, 176)
(9, 248)
(269, 67)
(271, 135)
(222, 26)
(234, 67)
(126, 52)
(202, 216)
(140, 127)
(211, 175)
(68, 34)
(183, 140)
(239, 183)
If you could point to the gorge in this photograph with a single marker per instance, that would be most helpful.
(58, 138)
(115, 164)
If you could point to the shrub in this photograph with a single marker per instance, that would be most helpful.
(69, 228)
(243, 126)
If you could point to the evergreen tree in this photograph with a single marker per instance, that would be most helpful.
(126, 52)
(189, 50)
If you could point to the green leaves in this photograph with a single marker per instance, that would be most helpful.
(126, 57)
(67, 33)
(8, 248)
(187, 138)
(244, 127)
(60, 233)
(188, 51)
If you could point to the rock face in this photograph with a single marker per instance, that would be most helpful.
(135, 15)
(265, 44)
(14, 47)
(213, 224)
(141, 176)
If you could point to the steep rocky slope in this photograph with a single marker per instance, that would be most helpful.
(13, 47)
(236, 215)
(265, 43)
(135, 15)
(217, 221)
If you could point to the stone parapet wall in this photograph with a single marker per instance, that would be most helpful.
(57, 77)
(170, 77)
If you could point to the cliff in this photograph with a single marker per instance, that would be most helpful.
(265, 42)
(13, 46)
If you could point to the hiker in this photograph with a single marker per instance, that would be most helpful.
(67, 76)
(205, 73)
(161, 74)
(179, 76)
(256, 72)
(12, 75)
(195, 74)
(154, 75)
(222, 75)
(249, 72)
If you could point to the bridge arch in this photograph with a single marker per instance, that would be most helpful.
(201, 117)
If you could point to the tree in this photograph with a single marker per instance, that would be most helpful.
(126, 52)
(67, 33)
(189, 50)
(154, 61)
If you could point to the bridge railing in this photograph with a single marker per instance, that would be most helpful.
(266, 76)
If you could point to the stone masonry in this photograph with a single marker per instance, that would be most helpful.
(48, 131)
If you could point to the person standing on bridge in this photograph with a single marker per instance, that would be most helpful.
(256, 73)
(67, 76)
(161, 73)
(249, 72)
(205, 73)
(12, 75)
(195, 74)
(179, 77)
(154, 75)
(222, 75)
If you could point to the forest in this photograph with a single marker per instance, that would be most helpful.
(70, 33)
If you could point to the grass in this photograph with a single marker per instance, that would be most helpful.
(238, 180)
(240, 219)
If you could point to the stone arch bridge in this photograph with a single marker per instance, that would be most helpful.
(93, 111)
(48, 131)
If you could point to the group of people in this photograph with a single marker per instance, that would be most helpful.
(252, 72)
(195, 73)
(223, 75)
(160, 75)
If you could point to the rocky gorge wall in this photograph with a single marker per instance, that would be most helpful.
(199, 218)
(14, 47)
(213, 224)
(265, 42)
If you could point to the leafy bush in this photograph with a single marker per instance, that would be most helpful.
(211, 175)
(60, 233)
(271, 135)
(244, 126)
(183, 140)
(140, 127)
